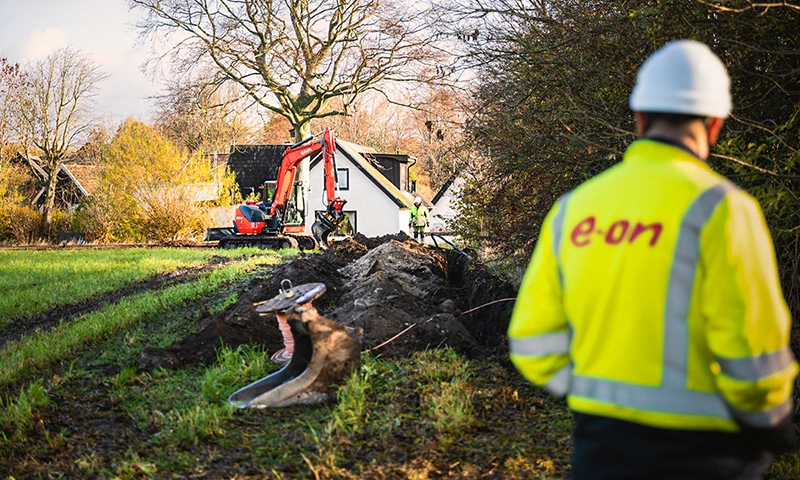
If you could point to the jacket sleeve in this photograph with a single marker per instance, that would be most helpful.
(538, 333)
(747, 321)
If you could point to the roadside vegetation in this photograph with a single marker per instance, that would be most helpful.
(552, 108)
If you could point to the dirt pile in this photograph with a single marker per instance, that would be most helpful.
(393, 288)
(396, 286)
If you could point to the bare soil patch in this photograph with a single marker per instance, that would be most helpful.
(85, 426)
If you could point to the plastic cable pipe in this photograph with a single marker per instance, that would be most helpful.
(286, 332)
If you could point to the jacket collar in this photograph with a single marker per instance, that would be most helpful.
(661, 149)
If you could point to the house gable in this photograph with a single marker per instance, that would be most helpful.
(375, 213)
(350, 151)
(75, 182)
(445, 201)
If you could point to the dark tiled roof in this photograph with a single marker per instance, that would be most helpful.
(255, 164)
(392, 166)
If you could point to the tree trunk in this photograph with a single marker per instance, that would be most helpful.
(49, 201)
(302, 132)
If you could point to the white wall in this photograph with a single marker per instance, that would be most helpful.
(404, 216)
(377, 214)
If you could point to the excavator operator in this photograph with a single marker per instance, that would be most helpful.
(652, 300)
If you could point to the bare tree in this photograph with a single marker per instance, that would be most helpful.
(201, 117)
(292, 57)
(12, 81)
(55, 113)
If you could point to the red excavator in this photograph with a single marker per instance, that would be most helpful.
(264, 225)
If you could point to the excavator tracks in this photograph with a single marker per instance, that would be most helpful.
(268, 242)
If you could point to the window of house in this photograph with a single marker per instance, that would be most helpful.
(343, 179)
(348, 226)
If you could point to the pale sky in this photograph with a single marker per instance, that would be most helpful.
(103, 29)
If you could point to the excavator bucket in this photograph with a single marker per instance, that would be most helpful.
(325, 353)
(321, 229)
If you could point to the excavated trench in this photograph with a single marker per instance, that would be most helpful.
(406, 297)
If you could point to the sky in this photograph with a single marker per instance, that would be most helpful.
(102, 29)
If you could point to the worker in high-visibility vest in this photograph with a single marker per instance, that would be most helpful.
(652, 300)
(419, 219)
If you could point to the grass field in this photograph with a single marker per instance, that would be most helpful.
(74, 404)
(36, 281)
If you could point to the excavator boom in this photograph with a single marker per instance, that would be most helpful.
(328, 221)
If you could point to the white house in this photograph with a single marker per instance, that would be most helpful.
(375, 206)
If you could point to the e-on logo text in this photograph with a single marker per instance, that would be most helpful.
(616, 233)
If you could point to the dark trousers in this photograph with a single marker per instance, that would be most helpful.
(606, 448)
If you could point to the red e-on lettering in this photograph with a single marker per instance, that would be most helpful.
(615, 234)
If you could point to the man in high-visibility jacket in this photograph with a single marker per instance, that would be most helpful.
(420, 218)
(652, 300)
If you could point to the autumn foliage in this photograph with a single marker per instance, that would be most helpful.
(148, 189)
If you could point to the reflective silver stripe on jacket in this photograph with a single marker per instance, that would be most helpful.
(680, 283)
(755, 368)
(558, 230)
(768, 418)
(673, 395)
(654, 399)
(553, 342)
(559, 384)
(540, 345)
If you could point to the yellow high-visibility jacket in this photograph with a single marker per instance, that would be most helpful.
(653, 296)
(419, 215)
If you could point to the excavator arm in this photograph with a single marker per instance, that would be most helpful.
(287, 173)
(329, 220)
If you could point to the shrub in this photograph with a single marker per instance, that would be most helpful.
(25, 224)
(103, 218)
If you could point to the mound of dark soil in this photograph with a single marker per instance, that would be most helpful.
(406, 297)
(400, 285)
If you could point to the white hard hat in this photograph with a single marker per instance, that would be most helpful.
(683, 77)
(417, 200)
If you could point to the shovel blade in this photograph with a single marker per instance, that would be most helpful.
(321, 230)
